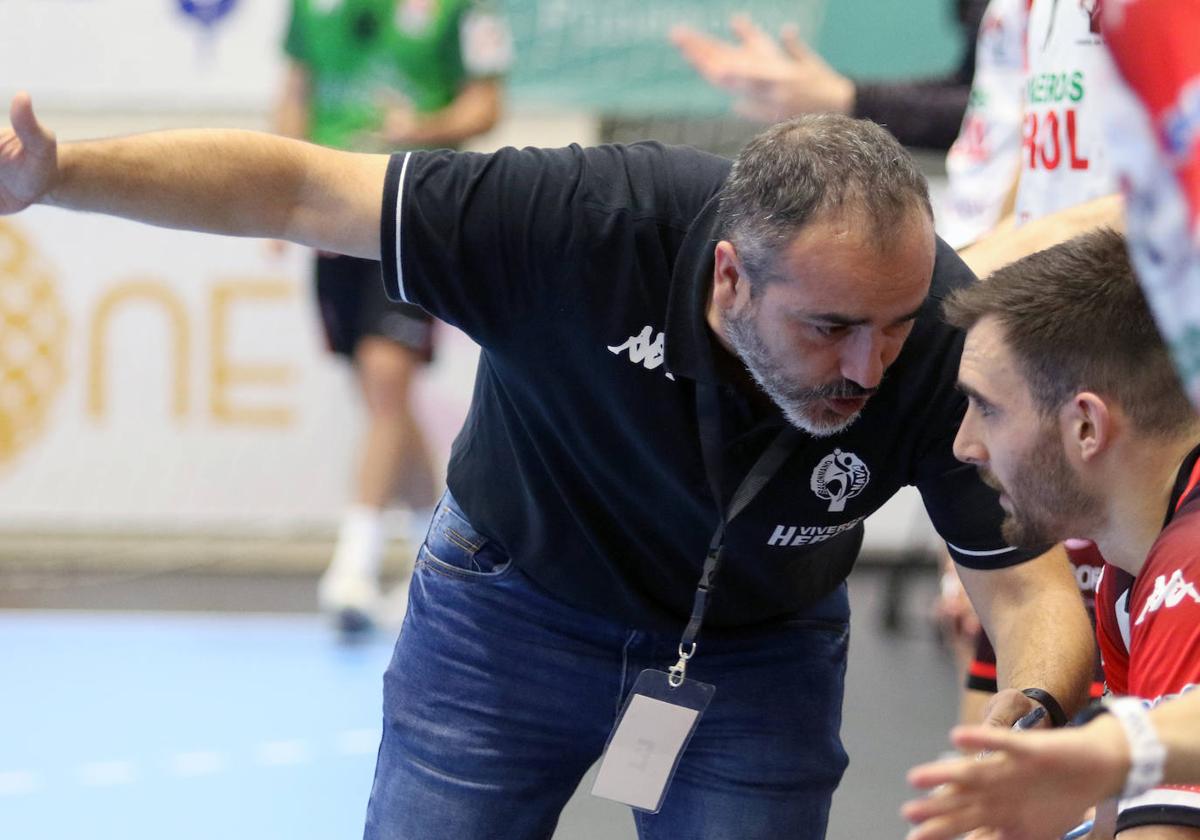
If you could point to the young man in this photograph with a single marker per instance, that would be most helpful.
(1075, 414)
(682, 377)
(382, 75)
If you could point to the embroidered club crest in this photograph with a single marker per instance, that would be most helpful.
(838, 477)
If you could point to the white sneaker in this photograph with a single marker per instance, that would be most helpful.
(349, 589)
(350, 598)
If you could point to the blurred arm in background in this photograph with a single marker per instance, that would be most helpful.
(775, 81)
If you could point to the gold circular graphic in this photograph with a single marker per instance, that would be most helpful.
(33, 337)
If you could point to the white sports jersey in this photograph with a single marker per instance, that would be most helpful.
(1154, 134)
(1063, 156)
(983, 161)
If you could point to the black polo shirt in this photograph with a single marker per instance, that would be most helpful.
(583, 274)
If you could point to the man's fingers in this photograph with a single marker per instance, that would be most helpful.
(945, 826)
(750, 35)
(1007, 707)
(28, 130)
(793, 44)
(707, 55)
(947, 813)
(686, 38)
(990, 738)
(942, 800)
(959, 773)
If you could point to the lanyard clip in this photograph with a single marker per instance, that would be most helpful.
(712, 562)
(677, 672)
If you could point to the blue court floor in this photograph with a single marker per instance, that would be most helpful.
(129, 726)
(119, 725)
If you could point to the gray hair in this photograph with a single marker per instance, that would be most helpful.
(811, 167)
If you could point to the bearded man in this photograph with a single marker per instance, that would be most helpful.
(1077, 416)
(697, 379)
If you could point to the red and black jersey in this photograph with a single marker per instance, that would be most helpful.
(1149, 632)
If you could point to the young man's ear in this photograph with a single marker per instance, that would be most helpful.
(1088, 425)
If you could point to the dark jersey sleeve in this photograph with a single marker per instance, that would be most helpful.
(492, 243)
(926, 113)
(967, 513)
(964, 510)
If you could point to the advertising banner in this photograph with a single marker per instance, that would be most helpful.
(165, 379)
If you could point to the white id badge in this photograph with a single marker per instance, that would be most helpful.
(644, 748)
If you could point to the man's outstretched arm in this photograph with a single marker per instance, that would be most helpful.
(237, 183)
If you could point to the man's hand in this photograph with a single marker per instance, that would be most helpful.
(1030, 786)
(1007, 706)
(28, 158)
(772, 82)
(1035, 619)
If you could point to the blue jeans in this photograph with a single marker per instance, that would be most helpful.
(499, 698)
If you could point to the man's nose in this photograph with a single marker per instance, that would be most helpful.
(968, 448)
(865, 358)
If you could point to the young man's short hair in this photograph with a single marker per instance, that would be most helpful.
(1075, 319)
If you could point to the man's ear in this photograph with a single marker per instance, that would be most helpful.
(727, 276)
(1088, 425)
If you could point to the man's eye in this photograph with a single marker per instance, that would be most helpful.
(829, 330)
(984, 409)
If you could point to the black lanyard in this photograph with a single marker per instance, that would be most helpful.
(708, 415)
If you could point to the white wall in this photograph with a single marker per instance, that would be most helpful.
(143, 55)
(194, 386)
(135, 435)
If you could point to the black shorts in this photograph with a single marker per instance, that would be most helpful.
(353, 304)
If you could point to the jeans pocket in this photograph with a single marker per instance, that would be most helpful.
(454, 548)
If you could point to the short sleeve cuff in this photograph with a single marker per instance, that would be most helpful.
(991, 558)
(391, 218)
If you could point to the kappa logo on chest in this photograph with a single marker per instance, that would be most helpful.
(645, 348)
(1168, 592)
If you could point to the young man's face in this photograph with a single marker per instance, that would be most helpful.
(1018, 450)
(819, 340)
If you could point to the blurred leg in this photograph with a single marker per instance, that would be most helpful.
(388, 343)
(393, 441)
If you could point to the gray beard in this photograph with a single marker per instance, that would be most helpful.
(800, 405)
